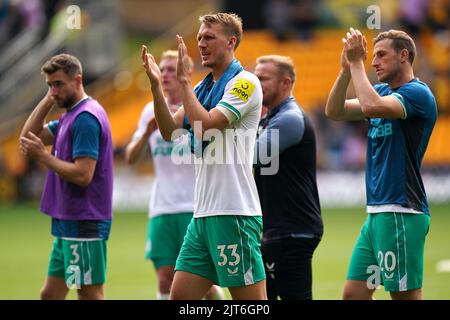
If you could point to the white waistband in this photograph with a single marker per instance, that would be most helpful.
(391, 208)
(81, 239)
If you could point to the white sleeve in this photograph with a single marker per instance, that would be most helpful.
(147, 114)
(240, 95)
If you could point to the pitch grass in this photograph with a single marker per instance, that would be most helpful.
(25, 245)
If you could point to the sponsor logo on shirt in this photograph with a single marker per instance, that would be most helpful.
(163, 148)
(378, 129)
(243, 89)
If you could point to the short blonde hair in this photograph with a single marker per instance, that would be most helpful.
(400, 40)
(284, 64)
(173, 54)
(231, 23)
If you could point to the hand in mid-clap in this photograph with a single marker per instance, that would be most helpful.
(151, 67)
(355, 46)
(182, 64)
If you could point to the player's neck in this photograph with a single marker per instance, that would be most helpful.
(174, 99)
(219, 69)
(403, 77)
(80, 95)
(276, 102)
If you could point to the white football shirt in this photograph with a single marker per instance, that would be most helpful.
(224, 175)
(173, 187)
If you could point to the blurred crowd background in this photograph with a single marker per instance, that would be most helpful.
(107, 36)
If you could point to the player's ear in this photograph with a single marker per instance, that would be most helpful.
(79, 80)
(287, 82)
(404, 54)
(232, 42)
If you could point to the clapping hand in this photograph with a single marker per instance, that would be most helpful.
(355, 47)
(151, 67)
(182, 65)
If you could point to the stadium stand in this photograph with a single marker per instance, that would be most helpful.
(124, 89)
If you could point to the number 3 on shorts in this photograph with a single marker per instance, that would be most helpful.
(224, 258)
(76, 256)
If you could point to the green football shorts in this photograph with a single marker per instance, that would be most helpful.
(165, 234)
(224, 249)
(78, 262)
(390, 251)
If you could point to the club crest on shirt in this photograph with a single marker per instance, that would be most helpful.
(243, 89)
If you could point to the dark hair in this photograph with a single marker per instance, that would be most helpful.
(66, 62)
(400, 40)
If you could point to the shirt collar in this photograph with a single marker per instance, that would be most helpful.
(85, 96)
(275, 110)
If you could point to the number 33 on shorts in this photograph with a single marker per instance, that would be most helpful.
(229, 257)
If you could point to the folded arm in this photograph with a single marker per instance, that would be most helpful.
(36, 121)
(339, 108)
(135, 149)
(372, 104)
(79, 172)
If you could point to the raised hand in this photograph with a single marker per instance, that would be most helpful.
(150, 67)
(48, 102)
(366, 51)
(355, 46)
(182, 64)
(48, 98)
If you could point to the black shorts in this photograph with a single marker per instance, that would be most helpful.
(287, 263)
